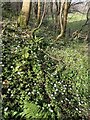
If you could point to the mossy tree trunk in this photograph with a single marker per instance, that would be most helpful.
(25, 13)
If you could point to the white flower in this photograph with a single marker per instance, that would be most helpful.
(50, 110)
(9, 89)
(23, 62)
(11, 95)
(59, 82)
(54, 85)
(51, 75)
(18, 73)
(82, 102)
(10, 78)
(48, 105)
(34, 83)
(29, 93)
(63, 90)
(33, 93)
(79, 111)
(69, 102)
(51, 83)
(54, 98)
(37, 92)
(70, 88)
(66, 99)
(51, 95)
(61, 101)
(16, 48)
(6, 109)
(56, 89)
(79, 103)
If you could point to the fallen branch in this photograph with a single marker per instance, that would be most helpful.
(52, 57)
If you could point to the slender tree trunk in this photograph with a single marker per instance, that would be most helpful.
(61, 21)
(36, 9)
(38, 14)
(56, 14)
(57, 20)
(63, 17)
(25, 13)
(41, 20)
(88, 22)
(65, 14)
(51, 8)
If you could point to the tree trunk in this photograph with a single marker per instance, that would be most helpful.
(65, 14)
(36, 9)
(41, 20)
(63, 17)
(25, 13)
(88, 22)
(57, 22)
(61, 21)
(51, 8)
(38, 14)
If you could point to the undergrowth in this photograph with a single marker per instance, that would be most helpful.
(43, 78)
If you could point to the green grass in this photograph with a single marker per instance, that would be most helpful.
(76, 21)
(72, 17)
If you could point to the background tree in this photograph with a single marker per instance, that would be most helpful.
(63, 17)
(38, 14)
(41, 20)
(51, 8)
(57, 13)
(88, 20)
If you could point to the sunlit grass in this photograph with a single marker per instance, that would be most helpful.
(76, 17)
(76, 21)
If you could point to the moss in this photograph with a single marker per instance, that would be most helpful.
(22, 21)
